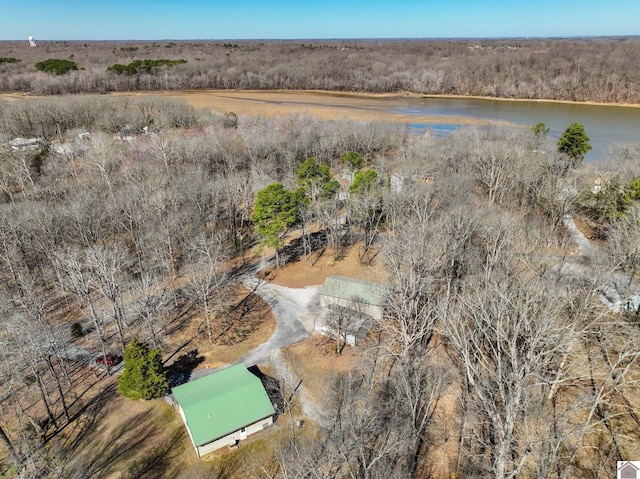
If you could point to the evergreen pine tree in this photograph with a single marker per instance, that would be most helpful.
(144, 376)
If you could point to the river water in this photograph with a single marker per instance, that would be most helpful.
(605, 125)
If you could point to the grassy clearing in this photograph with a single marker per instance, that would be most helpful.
(303, 272)
(315, 363)
(119, 438)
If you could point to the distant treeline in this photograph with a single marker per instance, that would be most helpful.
(143, 66)
(600, 69)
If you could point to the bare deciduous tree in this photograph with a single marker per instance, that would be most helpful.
(107, 267)
(207, 279)
(509, 336)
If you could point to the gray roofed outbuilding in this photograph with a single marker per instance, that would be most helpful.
(351, 306)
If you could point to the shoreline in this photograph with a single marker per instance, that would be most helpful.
(537, 100)
(329, 93)
(322, 105)
(396, 95)
(392, 108)
(405, 109)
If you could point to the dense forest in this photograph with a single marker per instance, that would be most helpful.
(593, 69)
(496, 357)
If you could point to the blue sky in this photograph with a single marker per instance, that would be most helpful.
(304, 19)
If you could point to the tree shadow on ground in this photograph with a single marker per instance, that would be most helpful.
(180, 371)
(124, 441)
(272, 387)
(157, 461)
(295, 249)
(181, 312)
(90, 412)
(238, 323)
(91, 450)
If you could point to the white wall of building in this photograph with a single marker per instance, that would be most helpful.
(230, 439)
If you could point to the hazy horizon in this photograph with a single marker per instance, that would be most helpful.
(146, 20)
(361, 39)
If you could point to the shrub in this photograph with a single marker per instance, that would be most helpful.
(9, 60)
(540, 129)
(76, 330)
(56, 66)
(29, 429)
(352, 160)
(143, 66)
(230, 120)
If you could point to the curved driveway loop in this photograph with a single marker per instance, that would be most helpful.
(291, 307)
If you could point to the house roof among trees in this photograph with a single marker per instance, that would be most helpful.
(222, 403)
(353, 289)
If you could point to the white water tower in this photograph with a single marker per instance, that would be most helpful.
(32, 42)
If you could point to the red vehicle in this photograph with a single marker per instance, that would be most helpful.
(112, 359)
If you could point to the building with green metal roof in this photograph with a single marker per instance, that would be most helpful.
(223, 408)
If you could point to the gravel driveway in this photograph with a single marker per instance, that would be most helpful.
(294, 310)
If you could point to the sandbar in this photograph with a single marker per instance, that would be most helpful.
(322, 105)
